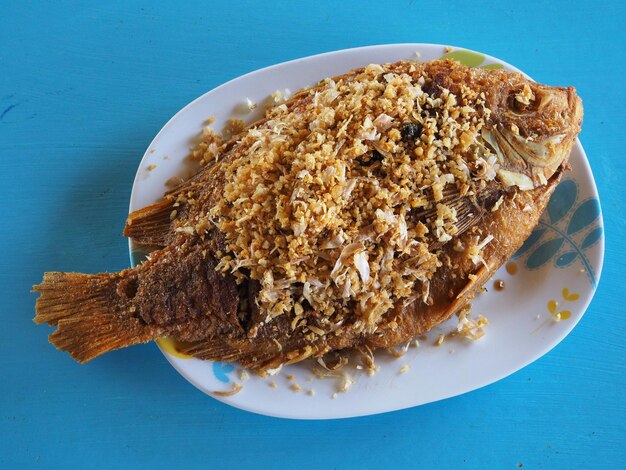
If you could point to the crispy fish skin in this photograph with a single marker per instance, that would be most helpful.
(178, 293)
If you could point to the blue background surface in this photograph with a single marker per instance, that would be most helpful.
(84, 87)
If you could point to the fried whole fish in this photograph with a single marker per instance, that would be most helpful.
(356, 215)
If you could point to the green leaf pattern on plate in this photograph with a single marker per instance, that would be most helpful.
(471, 59)
(560, 229)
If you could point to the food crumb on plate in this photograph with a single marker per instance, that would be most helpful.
(151, 167)
(440, 340)
(296, 388)
(243, 375)
(251, 104)
(310, 392)
(291, 377)
(273, 384)
(237, 387)
(405, 368)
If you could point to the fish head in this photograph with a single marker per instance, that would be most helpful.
(532, 129)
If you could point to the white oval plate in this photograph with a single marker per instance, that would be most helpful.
(557, 271)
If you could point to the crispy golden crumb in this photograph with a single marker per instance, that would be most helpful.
(440, 340)
(317, 249)
(243, 375)
(471, 328)
(296, 388)
(273, 384)
(151, 167)
(291, 377)
(236, 389)
(405, 368)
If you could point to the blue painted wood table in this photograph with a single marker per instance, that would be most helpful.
(84, 86)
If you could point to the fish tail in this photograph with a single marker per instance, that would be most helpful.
(151, 225)
(89, 314)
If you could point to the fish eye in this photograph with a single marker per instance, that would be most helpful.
(521, 101)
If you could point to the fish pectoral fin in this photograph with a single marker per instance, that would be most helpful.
(151, 225)
(89, 321)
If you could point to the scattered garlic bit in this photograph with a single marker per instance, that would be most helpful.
(404, 369)
(280, 96)
(471, 328)
(310, 392)
(251, 104)
(209, 121)
(340, 236)
(440, 340)
(373, 370)
(209, 149)
(291, 377)
(367, 360)
(397, 353)
(236, 389)
(345, 380)
(557, 316)
(497, 205)
(525, 96)
(334, 395)
(475, 252)
(333, 361)
(151, 167)
(243, 375)
(415, 343)
(275, 371)
(346, 383)
(233, 127)
(273, 384)
(296, 388)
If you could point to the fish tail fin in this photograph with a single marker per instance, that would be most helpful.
(152, 224)
(89, 314)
